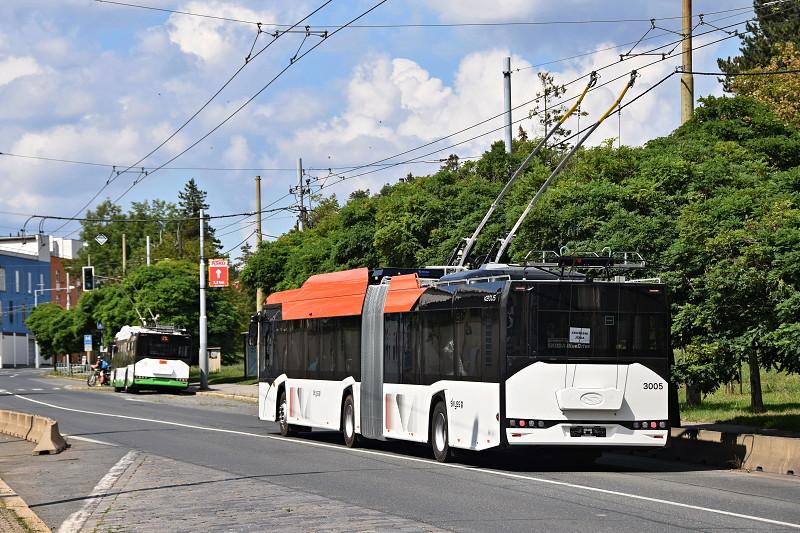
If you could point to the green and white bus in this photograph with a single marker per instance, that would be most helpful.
(150, 358)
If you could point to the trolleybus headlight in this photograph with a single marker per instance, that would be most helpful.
(531, 423)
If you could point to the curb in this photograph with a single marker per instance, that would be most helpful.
(227, 396)
(17, 506)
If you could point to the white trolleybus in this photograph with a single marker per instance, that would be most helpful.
(150, 358)
(500, 356)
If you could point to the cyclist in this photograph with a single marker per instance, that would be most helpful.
(103, 366)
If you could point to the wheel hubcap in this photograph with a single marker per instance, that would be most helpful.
(283, 414)
(439, 432)
(349, 425)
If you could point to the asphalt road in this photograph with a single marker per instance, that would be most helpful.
(531, 491)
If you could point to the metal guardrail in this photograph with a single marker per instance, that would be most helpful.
(73, 370)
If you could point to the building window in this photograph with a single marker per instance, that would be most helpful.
(58, 279)
(30, 282)
(1, 312)
(2, 279)
(11, 311)
(41, 280)
(16, 280)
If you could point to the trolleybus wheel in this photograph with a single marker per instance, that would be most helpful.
(349, 423)
(287, 430)
(439, 434)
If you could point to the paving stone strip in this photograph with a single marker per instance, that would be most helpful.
(158, 494)
(15, 515)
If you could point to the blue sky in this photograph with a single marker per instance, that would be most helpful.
(95, 82)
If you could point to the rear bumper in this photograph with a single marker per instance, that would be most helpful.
(559, 435)
(161, 382)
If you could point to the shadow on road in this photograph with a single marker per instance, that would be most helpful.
(527, 459)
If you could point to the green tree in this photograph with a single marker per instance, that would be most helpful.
(775, 23)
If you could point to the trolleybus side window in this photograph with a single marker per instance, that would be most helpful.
(295, 349)
(313, 332)
(327, 347)
(469, 344)
(392, 348)
(437, 345)
(351, 347)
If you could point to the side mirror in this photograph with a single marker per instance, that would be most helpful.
(252, 334)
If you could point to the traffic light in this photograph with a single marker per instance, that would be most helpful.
(87, 277)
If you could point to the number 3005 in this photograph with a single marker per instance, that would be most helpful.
(653, 386)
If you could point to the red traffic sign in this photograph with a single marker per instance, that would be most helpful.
(217, 272)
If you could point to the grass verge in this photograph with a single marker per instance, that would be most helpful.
(781, 400)
(227, 374)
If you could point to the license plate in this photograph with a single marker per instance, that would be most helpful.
(587, 431)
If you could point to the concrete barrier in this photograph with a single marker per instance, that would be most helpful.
(38, 429)
(748, 451)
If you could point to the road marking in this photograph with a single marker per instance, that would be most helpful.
(136, 400)
(56, 388)
(87, 439)
(37, 389)
(498, 473)
(76, 520)
(20, 390)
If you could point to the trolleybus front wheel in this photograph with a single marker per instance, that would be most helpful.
(287, 430)
(349, 423)
(439, 434)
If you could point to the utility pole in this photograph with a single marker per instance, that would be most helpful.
(148, 250)
(687, 79)
(69, 293)
(124, 255)
(301, 214)
(507, 100)
(259, 291)
(259, 236)
(203, 318)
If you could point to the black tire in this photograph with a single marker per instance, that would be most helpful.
(92, 379)
(439, 434)
(287, 430)
(349, 422)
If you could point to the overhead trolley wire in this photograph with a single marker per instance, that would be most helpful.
(249, 59)
(247, 102)
(399, 163)
(415, 25)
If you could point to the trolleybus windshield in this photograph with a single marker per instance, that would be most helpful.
(163, 347)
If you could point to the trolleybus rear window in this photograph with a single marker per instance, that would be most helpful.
(576, 321)
(163, 346)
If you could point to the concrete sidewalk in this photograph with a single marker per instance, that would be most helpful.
(15, 515)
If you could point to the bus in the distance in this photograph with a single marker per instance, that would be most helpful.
(155, 358)
(500, 356)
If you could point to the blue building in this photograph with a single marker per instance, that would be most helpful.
(24, 268)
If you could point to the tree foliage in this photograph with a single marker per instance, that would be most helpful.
(779, 91)
(775, 24)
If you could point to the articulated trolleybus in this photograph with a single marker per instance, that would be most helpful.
(155, 357)
(500, 356)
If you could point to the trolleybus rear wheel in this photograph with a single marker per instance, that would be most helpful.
(287, 430)
(439, 434)
(349, 423)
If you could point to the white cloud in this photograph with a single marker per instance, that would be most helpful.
(215, 41)
(238, 152)
(12, 68)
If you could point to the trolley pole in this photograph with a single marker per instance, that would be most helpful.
(124, 255)
(148, 250)
(687, 79)
(507, 100)
(203, 318)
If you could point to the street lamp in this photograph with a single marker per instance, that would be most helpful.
(36, 304)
